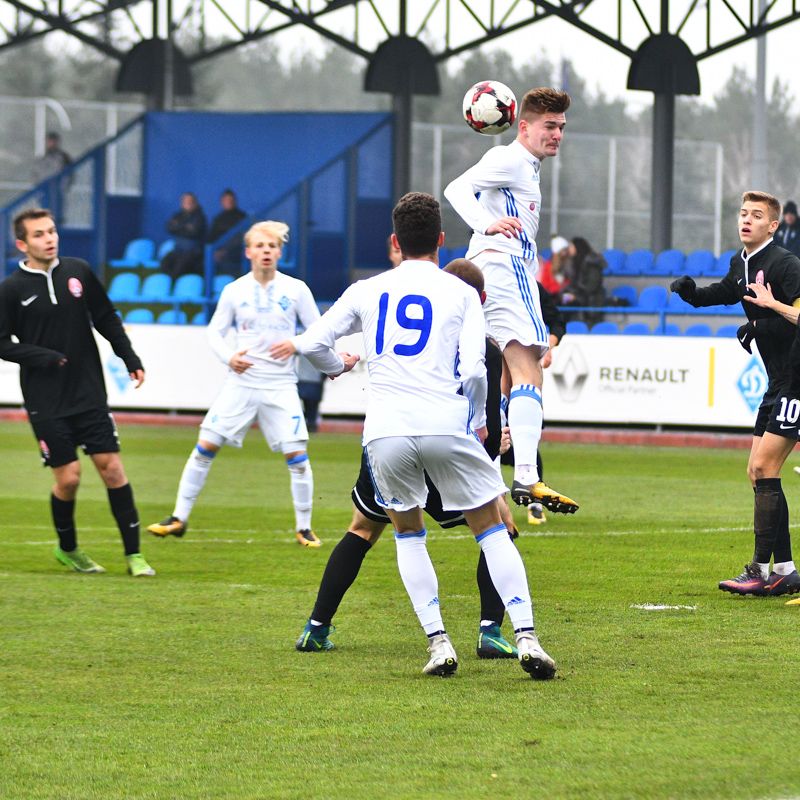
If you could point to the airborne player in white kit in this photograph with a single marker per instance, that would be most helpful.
(264, 307)
(500, 199)
(424, 336)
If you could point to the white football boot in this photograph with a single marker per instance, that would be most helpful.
(533, 658)
(444, 660)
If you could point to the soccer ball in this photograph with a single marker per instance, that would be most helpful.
(490, 107)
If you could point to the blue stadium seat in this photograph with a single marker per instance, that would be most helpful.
(141, 316)
(677, 305)
(200, 318)
(577, 326)
(723, 264)
(172, 317)
(221, 281)
(699, 329)
(615, 259)
(605, 329)
(545, 254)
(165, 247)
(189, 289)
(124, 288)
(670, 329)
(444, 256)
(700, 262)
(626, 292)
(137, 252)
(638, 262)
(669, 262)
(636, 329)
(157, 288)
(727, 330)
(457, 252)
(653, 298)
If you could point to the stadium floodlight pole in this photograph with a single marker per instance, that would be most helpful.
(760, 172)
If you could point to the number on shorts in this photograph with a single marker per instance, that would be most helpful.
(421, 324)
(790, 411)
(296, 423)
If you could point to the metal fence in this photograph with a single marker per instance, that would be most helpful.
(598, 187)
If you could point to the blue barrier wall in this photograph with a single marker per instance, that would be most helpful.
(259, 156)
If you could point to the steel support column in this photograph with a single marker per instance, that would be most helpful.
(663, 156)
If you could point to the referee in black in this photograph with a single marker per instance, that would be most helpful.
(50, 305)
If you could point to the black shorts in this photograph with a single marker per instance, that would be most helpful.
(363, 495)
(94, 431)
(780, 416)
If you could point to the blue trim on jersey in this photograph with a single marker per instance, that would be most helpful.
(456, 362)
(206, 453)
(297, 459)
(527, 297)
(489, 531)
(378, 497)
(526, 390)
(511, 207)
(416, 535)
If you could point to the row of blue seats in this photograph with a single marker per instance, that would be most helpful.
(172, 316)
(128, 287)
(142, 253)
(659, 298)
(642, 329)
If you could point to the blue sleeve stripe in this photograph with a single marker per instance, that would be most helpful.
(415, 535)
(297, 459)
(490, 531)
(206, 453)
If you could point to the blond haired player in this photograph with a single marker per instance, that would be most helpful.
(264, 306)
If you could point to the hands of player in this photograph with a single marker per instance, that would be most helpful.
(508, 226)
(282, 350)
(350, 360)
(482, 433)
(746, 334)
(684, 287)
(138, 376)
(505, 440)
(238, 363)
(762, 295)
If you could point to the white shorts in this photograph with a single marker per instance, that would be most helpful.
(512, 308)
(278, 411)
(458, 467)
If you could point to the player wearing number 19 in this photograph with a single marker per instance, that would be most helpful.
(762, 263)
(424, 337)
(262, 307)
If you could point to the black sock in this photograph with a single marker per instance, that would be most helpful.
(340, 572)
(766, 517)
(782, 549)
(491, 603)
(63, 512)
(127, 517)
(539, 466)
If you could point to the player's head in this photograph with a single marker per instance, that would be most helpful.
(417, 221)
(465, 270)
(36, 234)
(392, 252)
(758, 218)
(542, 117)
(263, 243)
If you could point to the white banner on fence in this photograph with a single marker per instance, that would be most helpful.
(607, 379)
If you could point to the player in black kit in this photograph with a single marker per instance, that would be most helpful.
(763, 263)
(50, 305)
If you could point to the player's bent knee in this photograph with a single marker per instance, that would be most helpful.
(298, 463)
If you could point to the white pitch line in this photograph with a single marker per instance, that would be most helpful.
(659, 607)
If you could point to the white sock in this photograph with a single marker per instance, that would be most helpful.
(302, 480)
(508, 575)
(784, 567)
(419, 578)
(525, 421)
(764, 569)
(193, 479)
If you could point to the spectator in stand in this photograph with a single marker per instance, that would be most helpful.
(53, 160)
(227, 257)
(188, 228)
(586, 279)
(788, 234)
(548, 268)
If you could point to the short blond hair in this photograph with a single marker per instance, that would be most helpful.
(772, 203)
(280, 230)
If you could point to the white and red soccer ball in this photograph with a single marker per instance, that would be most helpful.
(490, 107)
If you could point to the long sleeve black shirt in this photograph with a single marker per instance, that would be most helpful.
(774, 335)
(51, 314)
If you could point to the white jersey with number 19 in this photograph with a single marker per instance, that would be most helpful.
(424, 337)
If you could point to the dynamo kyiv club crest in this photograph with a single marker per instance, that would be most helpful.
(752, 383)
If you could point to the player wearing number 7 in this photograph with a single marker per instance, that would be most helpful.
(424, 338)
(262, 307)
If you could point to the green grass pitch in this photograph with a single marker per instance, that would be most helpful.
(188, 685)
